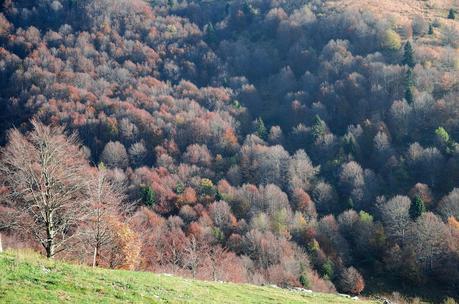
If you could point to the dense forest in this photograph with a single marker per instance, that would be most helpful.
(262, 141)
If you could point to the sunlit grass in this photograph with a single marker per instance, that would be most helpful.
(26, 277)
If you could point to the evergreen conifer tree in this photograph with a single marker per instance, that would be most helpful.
(417, 208)
(261, 128)
(408, 55)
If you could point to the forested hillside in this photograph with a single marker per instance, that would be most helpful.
(288, 142)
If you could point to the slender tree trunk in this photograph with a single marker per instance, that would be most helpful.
(214, 270)
(193, 270)
(95, 257)
(1, 246)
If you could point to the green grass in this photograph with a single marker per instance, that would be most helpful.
(29, 278)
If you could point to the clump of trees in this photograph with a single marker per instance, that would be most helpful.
(56, 198)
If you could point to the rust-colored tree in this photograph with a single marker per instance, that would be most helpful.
(351, 281)
(124, 252)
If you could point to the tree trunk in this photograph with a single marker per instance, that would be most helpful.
(94, 259)
(49, 251)
(1, 246)
(214, 271)
(50, 246)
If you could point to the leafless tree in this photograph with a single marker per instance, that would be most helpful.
(429, 240)
(215, 256)
(104, 204)
(220, 213)
(115, 155)
(300, 171)
(194, 254)
(448, 206)
(7, 220)
(396, 218)
(45, 176)
(138, 154)
(450, 35)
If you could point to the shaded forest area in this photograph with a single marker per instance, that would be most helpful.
(262, 141)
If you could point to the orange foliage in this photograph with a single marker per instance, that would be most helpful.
(126, 250)
(453, 223)
(230, 136)
(187, 197)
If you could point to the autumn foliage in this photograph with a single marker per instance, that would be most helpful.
(270, 142)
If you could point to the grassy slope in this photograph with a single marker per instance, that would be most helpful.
(28, 278)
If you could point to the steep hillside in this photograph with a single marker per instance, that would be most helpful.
(28, 278)
(407, 17)
(298, 143)
(402, 8)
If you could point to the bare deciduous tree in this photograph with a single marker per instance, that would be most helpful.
(429, 240)
(104, 204)
(395, 217)
(115, 155)
(215, 256)
(44, 173)
(194, 254)
(300, 171)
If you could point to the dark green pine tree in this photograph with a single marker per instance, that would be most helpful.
(218, 196)
(304, 280)
(328, 269)
(417, 208)
(431, 29)
(408, 55)
(303, 277)
(149, 196)
(409, 83)
(350, 203)
(452, 14)
(351, 146)
(319, 127)
(409, 78)
(409, 95)
(211, 35)
(261, 129)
